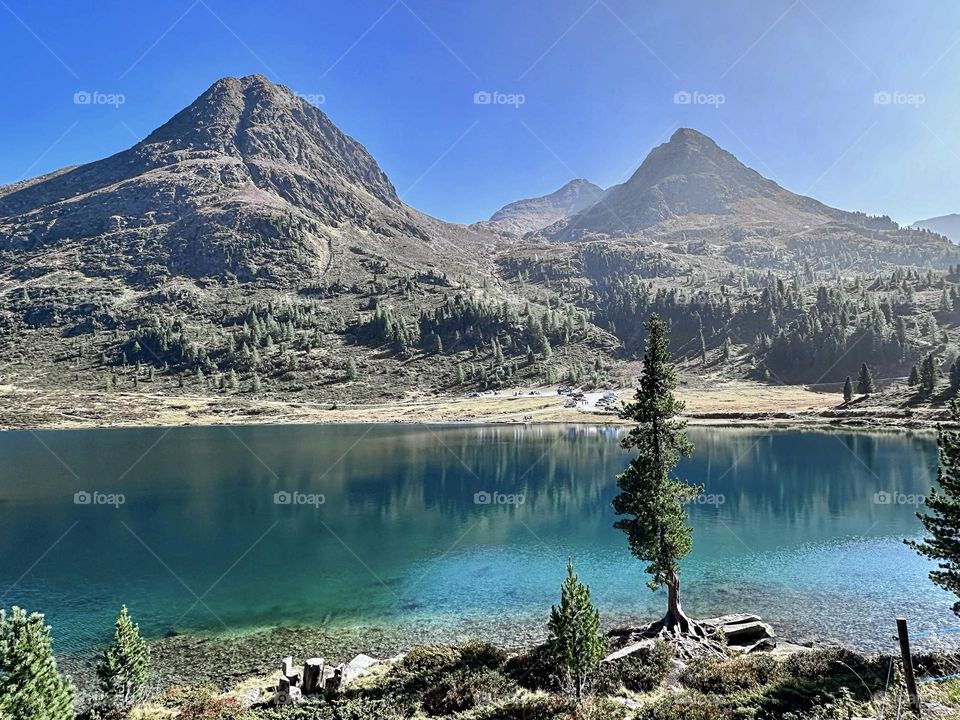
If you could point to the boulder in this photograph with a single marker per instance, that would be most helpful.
(358, 667)
(735, 619)
(747, 633)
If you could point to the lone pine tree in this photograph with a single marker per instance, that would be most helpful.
(865, 384)
(943, 520)
(651, 500)
(575, 645)
(30, 686)
(123, 667)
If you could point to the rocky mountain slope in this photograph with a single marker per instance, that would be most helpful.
(523, 216)
(946, 225)
(694, 197)
(249, 247)
(248, 182)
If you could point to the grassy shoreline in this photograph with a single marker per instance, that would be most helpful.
(234, 678)
(736, 404)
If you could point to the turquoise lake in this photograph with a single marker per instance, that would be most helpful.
(383, 525)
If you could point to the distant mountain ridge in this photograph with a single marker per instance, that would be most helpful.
(523, 216)
(693, 197)
(946, 225)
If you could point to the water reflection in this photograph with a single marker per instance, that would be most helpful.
(400, 536)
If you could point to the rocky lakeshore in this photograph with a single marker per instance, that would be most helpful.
(322, 673)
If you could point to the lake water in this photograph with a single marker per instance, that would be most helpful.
(803, 528)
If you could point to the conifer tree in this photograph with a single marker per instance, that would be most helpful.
(575, 645)
(30, 686)
(652, 500)
(942, 521)
(865, 384)
(914, 379)
(928, 374)
(123, 667)
(847, 390)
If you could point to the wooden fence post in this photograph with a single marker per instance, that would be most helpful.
(908, 674)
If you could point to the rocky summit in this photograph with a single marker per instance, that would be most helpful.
(248, 182)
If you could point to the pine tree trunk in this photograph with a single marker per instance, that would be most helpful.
(675, 619)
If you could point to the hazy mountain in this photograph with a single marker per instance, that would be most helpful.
(698, 198)
(946, 225)
(523, 216)
(248, 181)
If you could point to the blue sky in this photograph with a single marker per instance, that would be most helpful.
(789, 86)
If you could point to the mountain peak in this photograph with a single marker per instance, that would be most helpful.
(523, 216)
(246, 159)
(688, 175)
(258, 121)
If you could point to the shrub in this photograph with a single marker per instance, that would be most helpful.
(531, 669)
(641, 671)
(680, 707)
(214, 708)
(526, 707)
(466, 689)
(725, 676)
(446, 679)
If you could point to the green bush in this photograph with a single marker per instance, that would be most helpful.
(215, 709)
(726, 676)
(466, 689)
(353, 709)
(640, 672)
(531, 669)
(680, 707)
(526, 707)
(444, 680)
